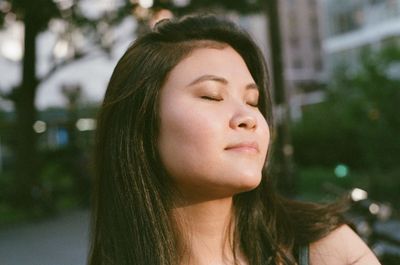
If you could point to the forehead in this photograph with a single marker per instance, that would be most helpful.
(222, 61)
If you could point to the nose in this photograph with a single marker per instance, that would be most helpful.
(244, 119)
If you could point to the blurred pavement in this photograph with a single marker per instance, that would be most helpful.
(62, 240)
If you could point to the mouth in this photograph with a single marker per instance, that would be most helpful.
(246, 147)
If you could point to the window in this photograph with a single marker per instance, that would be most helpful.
(294, 41)
(374, 2)
(348, 21)
(297, 63)
(316, 43)
(317, 64)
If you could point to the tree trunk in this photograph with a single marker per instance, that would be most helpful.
(282, 153)
(27, 171)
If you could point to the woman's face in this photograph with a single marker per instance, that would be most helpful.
(213, 139)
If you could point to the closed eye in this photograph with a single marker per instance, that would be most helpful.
(253, 103)
(211, 98)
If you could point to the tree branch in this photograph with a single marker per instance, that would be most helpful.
(56, 67)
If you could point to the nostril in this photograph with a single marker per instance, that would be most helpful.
(248, 124)
(243, 122)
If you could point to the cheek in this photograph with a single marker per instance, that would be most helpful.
(187, 140)
(265, 134)
(187, 127)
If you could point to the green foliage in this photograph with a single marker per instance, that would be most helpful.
(56, 192)
(56, 186)
(369, 100)
(359, 123)
(62, 185)
(64, 180)
(315, 183)
(384, 185)
(6, 180)
(10, 215)
(324, 138)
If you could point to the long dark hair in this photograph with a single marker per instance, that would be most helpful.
(132, 195)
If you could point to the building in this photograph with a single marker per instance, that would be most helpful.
(352, 26)
(301, 32)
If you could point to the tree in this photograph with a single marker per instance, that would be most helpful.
(283, 149)
(359, 122)
(36, 16)
(368, 98)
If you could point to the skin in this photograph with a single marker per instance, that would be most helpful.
(207, 105)
(200, 118)
(342, 246)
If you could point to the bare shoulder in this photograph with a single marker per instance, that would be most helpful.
(342, 247)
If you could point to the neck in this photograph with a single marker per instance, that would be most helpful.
(209, 233)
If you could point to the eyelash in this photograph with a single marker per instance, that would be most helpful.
(254, 105)
(218, 99)
(211, 98)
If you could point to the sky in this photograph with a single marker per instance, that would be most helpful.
(92, 73)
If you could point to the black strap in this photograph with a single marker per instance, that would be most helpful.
(303, 255)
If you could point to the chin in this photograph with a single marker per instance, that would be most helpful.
(248, 182)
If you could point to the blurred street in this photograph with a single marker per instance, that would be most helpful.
(58, 241)
(335, 66)
(64, 241)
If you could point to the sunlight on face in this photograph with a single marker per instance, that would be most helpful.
(213, 139)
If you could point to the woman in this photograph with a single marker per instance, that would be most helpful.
(182, 145)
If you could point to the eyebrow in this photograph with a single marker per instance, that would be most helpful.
(219, 80)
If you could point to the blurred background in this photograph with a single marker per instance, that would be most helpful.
(335, 66)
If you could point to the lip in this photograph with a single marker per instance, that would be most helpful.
(250, 147)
